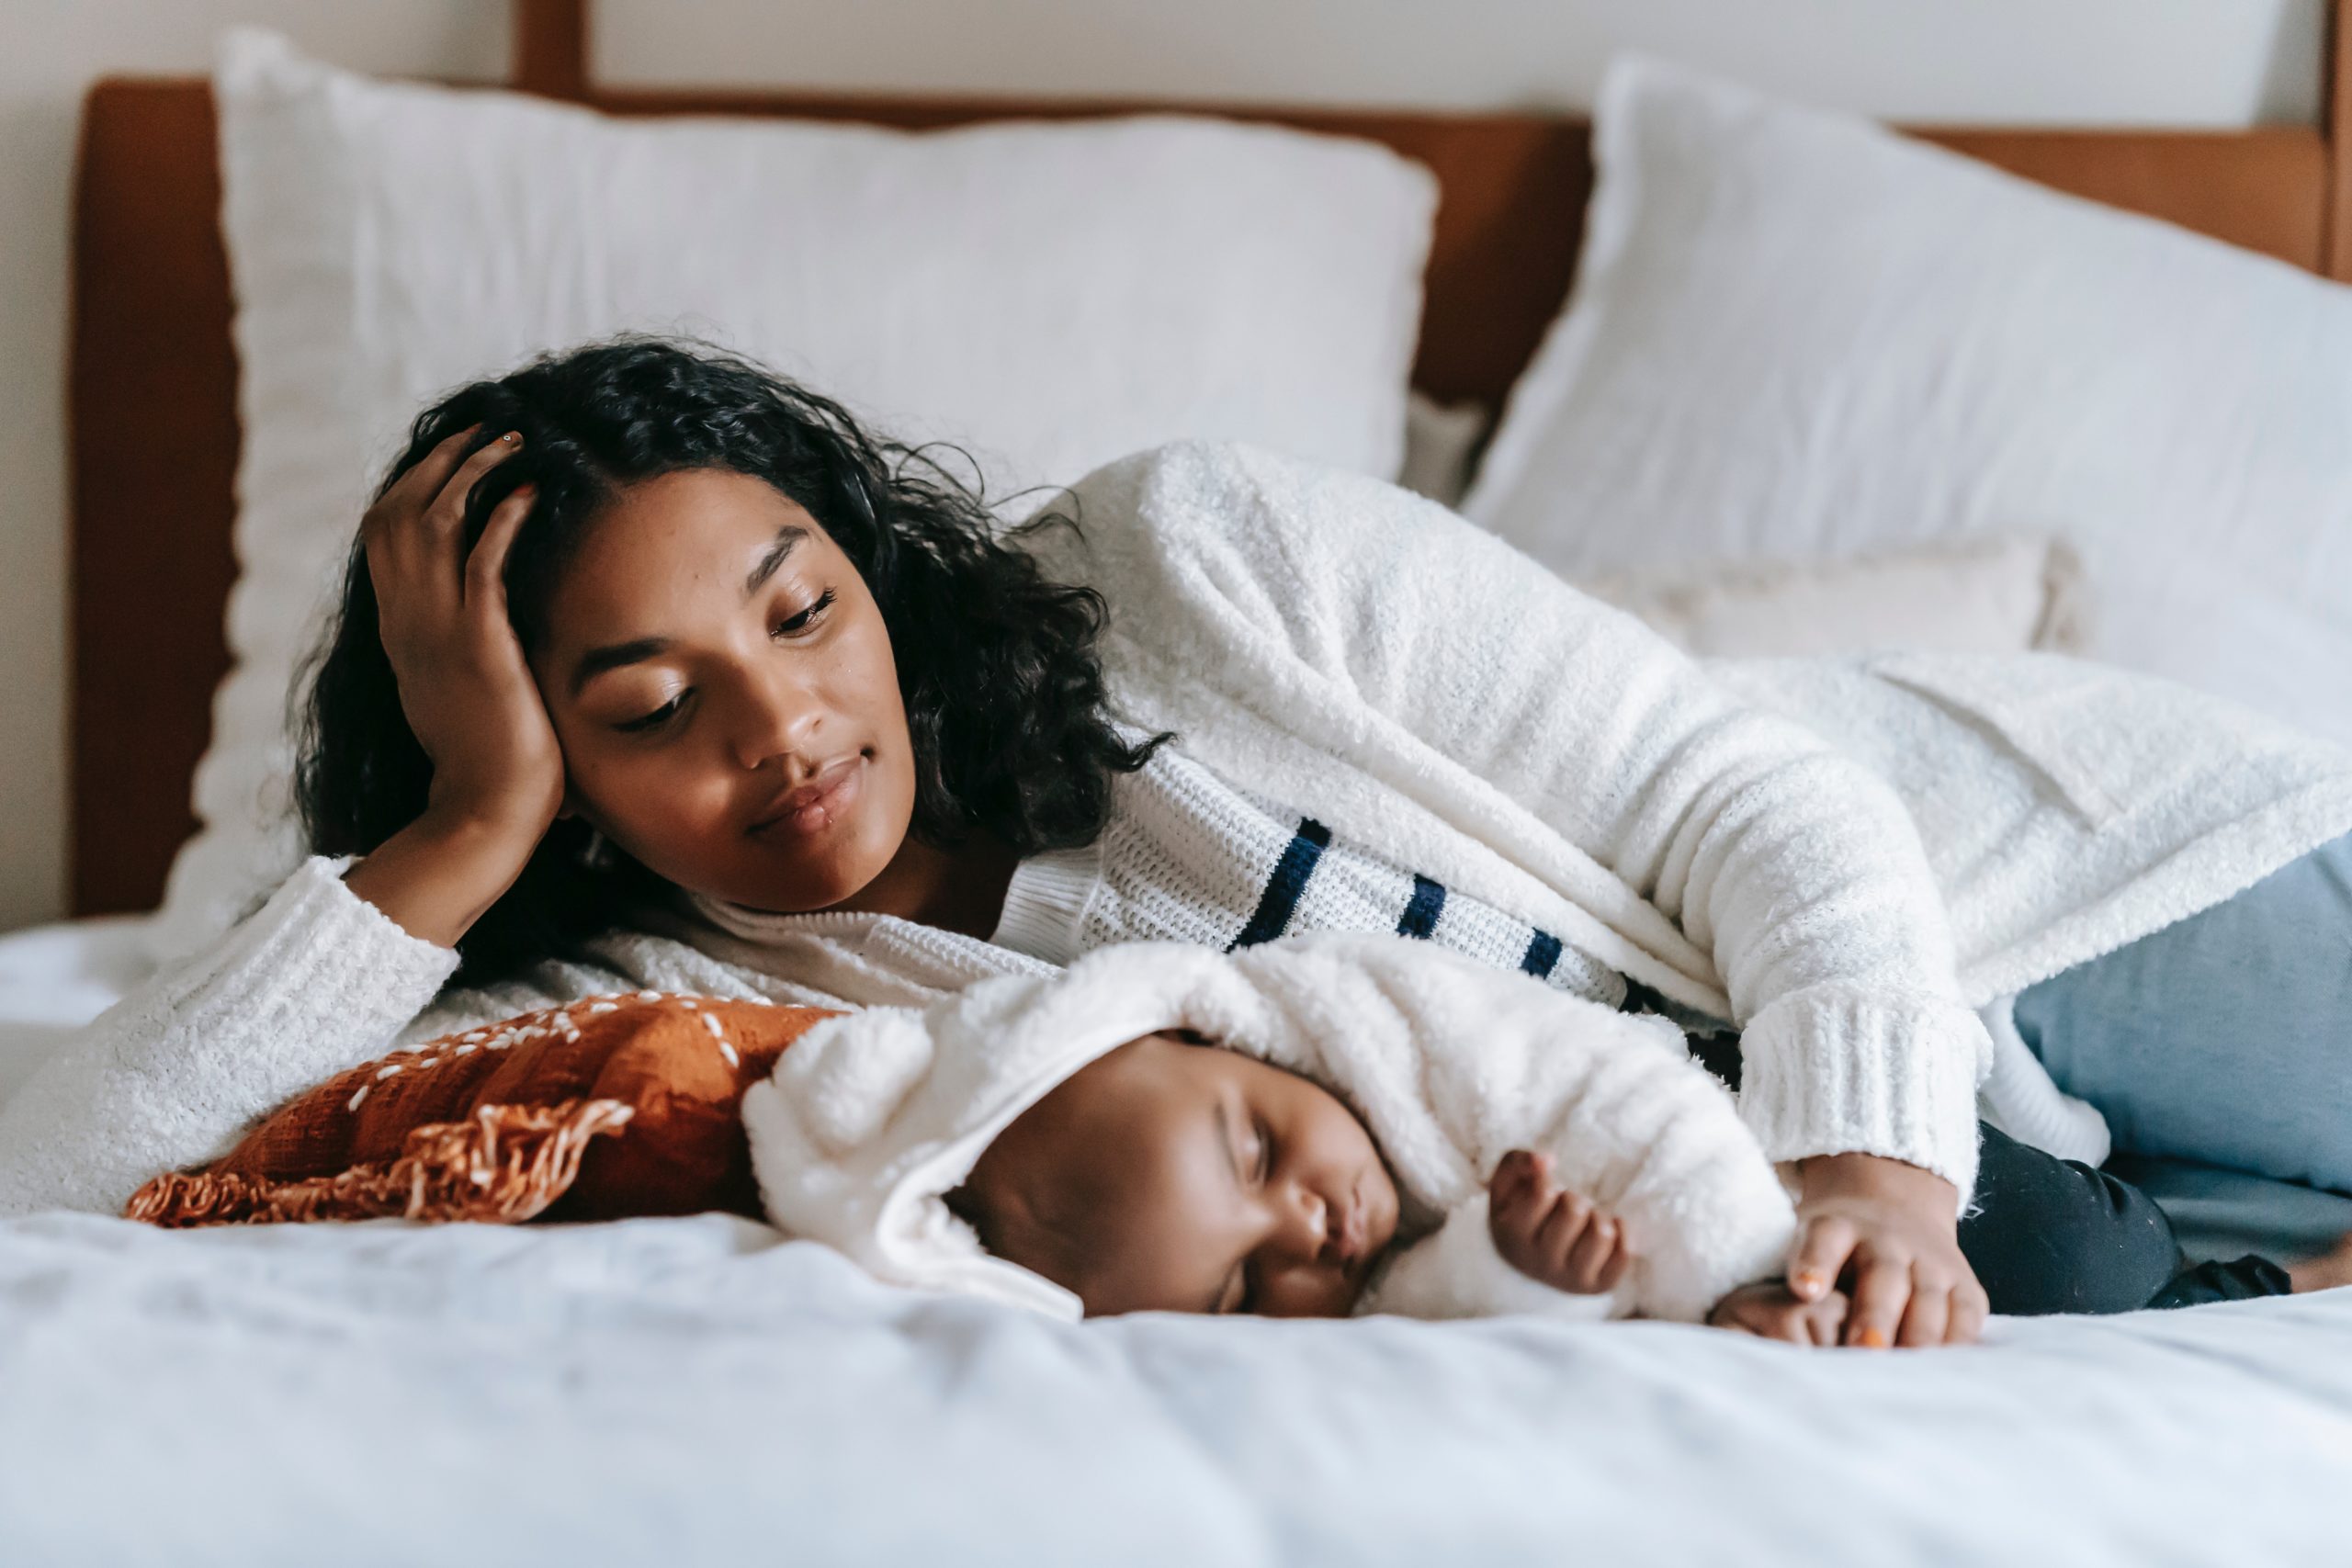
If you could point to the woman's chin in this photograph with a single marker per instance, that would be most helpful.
(807, 890)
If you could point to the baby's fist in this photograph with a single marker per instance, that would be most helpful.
(1554, 1237)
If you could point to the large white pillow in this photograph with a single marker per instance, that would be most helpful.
(1797, 335)
(1997, 594)
(1051, 295)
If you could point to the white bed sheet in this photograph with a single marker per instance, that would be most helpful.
(55, 978)
(688, 1392)
(695, 1391)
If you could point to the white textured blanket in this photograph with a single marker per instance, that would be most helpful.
(872, 1118)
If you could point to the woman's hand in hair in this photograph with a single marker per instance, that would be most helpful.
(465, 686)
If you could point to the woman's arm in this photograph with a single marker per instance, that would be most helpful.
(1316, 596)
(314, 982)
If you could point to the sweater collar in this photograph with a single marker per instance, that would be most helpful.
(765, 927)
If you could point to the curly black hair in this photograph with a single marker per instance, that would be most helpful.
(1004, 695)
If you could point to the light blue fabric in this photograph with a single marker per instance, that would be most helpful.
(2225, 1038)
(2228, 1213)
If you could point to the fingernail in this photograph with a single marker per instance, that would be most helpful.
(1874, 1338)
(512, 436)
(1809, 1282)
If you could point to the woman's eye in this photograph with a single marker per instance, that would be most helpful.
(655, 720)
(800, 622)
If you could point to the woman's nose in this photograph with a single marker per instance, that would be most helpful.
(773, 720)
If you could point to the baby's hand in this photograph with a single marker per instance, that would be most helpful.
(1553, 1238)
(1768, 1308)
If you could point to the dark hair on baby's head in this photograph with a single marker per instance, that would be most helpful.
(997, 664)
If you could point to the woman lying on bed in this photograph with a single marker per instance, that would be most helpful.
(653, 669)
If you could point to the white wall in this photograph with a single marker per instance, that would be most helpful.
(49, 50)
(2215, 63)
(2048, 61)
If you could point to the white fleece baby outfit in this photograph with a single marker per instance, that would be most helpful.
(870, 1120)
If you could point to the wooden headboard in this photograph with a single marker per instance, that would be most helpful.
(152, 410)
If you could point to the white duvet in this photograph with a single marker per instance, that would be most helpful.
(689, 1392)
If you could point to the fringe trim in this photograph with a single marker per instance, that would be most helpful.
(503, 1165)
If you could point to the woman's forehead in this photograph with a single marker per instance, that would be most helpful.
(678, 544)
(709, 512)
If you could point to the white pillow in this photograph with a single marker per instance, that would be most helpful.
(1998, 594)
(1796, 336)
(1051, 295)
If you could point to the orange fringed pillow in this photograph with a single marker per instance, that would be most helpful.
(608, 1107)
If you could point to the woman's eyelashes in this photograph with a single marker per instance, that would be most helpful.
(791, 626)
(658, 717)
(801, 622)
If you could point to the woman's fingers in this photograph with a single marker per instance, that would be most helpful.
(486, 565)
(1882, 1290)
(1824, 1319)
(1928, 1315)
(1820, 1256)
(414, 490)
(447, 515)
(412, 535)
(1969, 1306)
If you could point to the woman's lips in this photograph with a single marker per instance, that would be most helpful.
(838, 789)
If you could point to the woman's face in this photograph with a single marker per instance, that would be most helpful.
(712, 658)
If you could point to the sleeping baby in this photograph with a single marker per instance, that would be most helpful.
(1328, 1124)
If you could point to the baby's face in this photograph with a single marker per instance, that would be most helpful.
(1177, 1177)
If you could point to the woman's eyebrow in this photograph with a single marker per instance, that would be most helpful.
(596, 660)
(787, 538)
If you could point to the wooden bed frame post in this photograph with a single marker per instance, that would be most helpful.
(551, 47)
(2335, 125)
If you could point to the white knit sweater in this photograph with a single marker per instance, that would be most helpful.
(1792, 845)
(1189, 856)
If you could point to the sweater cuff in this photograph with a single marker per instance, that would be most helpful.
(329, 953)
(1842, 1069)
(362, 951)
(1045, 900)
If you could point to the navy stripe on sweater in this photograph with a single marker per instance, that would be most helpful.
(1286, 886)
(1420, 915)
(1543, 954)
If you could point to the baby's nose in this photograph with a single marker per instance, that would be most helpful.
(1312, 1218)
